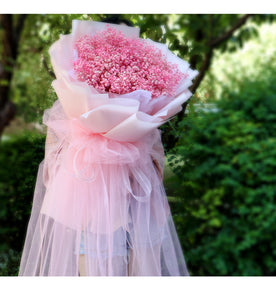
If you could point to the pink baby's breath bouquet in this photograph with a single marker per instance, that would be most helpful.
(98, 188)
(112, 62)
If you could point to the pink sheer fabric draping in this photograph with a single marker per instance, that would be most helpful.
(98, 185)
(116, 197)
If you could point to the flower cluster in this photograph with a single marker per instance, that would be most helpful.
(112, 62)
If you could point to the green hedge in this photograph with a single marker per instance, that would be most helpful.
(227, 184)
(19, 160)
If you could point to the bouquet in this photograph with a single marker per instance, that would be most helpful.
(116, 85)
(98, 177)
(112, 72)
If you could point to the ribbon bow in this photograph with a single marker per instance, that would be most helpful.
(88, 150)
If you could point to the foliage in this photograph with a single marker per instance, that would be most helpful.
(189, 34)
(20, 157)
(31, 89)
(230, 70)
(9, 262)
(226, 216)
(186, 35)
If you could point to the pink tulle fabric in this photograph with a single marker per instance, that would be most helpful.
(98, 180)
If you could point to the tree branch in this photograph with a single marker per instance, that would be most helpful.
(10, 41)
(226, 35)
(6, 59)
(7, 113)
(204, 67)
(18, 29)
(208, 55)
(7, 38)
(45, 65)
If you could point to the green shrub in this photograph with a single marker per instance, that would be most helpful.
(9, 262)
(226, 213)
(19, 160)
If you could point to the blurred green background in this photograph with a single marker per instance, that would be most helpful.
(220, 171)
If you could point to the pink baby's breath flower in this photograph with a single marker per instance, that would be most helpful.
(112, 62)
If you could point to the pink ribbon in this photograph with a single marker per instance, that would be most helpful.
(87, 150)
